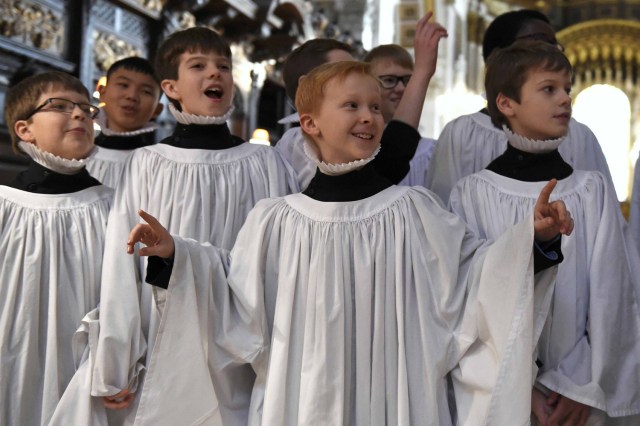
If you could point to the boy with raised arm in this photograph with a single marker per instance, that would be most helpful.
(52, 229)
(131, 98)
(589, 352)
(393, 66)
(353, 301)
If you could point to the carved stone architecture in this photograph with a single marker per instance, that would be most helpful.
(84, 37)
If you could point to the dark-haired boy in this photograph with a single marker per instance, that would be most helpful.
(131, 98)
(52, 231)
(470, 142)
(589, 351)
(202, 182)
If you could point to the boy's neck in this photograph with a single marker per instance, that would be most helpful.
(199, 136)
(352, 186)
(125, 143)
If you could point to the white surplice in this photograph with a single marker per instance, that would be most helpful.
(590, 348)
(470, 142)
(352, 314)
(50, 251)
(634, 206)
(201, 194)
(107, 164)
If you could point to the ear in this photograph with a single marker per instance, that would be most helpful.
(101, 89)
(308, 125)
(158, 110)
(505, 105)
(23, 131)
(169, 88)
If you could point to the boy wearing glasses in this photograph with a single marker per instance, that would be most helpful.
(393, 66)
(52, 219)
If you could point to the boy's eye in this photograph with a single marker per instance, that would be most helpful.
(224, 67)
(123, 85)
(351, 105)
(197, 66)
(375, 108)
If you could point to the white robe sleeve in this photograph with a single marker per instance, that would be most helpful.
(121, 343)
(505, 314)
(634, 208)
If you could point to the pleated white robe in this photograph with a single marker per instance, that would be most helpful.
(470, 142)
(107, 165)
(50, 251)
(201, 194)
(590, 349)
(634, 206)
(352, 314)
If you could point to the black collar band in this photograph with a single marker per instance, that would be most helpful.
(529, 167)
(125, 143)
(199, 136)
(352, 186)
(41, 180)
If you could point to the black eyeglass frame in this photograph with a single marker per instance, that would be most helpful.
(89, 110)
(397, 78)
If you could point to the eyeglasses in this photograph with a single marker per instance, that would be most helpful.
(542, 37)
(65, 106)
(391, 81)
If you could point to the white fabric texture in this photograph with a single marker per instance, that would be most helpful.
(590, 348)
(107, 165)
(101, 121)
(353, 313)
(470, 142)
(291, 149)
(50, 246)
(53, 162)
(201, 194)
(419, 164)
(336, 169)
(634, 206)
(534, 146)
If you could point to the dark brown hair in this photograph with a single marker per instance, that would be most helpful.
(508, 69)
(390, 52)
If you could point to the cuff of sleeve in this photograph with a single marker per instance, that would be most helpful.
(547, 254)
(159, 271)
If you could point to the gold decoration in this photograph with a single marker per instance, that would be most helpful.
(107, 49)
(32, 24)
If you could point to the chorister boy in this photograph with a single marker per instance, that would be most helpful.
(52, 230)
(354, 299)
(202, 182)
(589, 352)
(131, 98)
(393, 66)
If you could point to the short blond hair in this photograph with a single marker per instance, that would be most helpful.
(310, 94)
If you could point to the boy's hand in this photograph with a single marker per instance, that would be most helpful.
(539, 408)
(567, 412)
(157, 239)
(425, 44)
(550, 219)
(118, 401)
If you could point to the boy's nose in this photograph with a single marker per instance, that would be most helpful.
(78, 113)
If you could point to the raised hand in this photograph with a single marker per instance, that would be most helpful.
(551, 219)
(425, 44)
(157, 239)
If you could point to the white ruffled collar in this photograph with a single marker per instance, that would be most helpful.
(532, 146)
(336, 169)
(185, 118)
(53, 162)
(101, 120)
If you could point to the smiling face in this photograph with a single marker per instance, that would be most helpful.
(130, 100)
(66, 135)
(347, 125)
(390, 97)
(544, 109)
(204, 85)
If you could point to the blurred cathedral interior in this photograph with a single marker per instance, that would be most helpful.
(84, 37)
